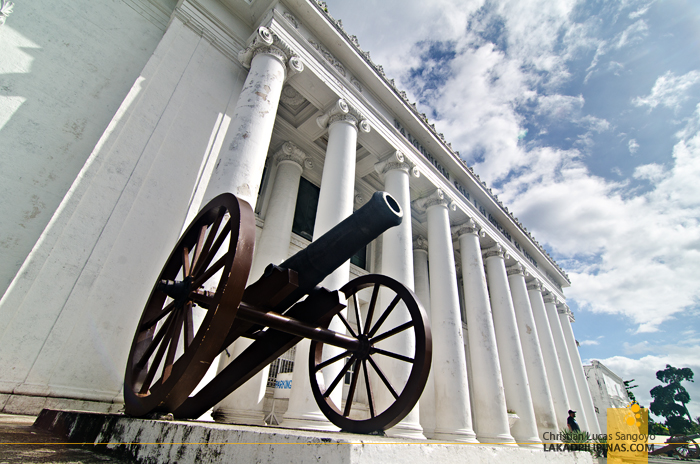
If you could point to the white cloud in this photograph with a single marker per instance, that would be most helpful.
(594, 124)
(559, 106)
(641, 11)
(634, 33)
(653, 172)
(589, 342)
(633, 146)
(634, 255)
(637, 348)
(669, 90)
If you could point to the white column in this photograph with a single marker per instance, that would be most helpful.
(510, 352)
(488, 395)
(245, 405)
(422, 289)
(452, 408)
(566, 317)
(397, 263)
(240, 165)
(335, 204)
(555, 378)
(567, 368)
(545, 414)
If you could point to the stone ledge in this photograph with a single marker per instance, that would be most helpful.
(33, 405)
(155, 441)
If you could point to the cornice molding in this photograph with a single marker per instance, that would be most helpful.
(197, 18)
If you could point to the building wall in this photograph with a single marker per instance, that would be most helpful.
(65, 69)
(607, 390)
(67, 320)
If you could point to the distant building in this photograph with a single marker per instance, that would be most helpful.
(607, 389)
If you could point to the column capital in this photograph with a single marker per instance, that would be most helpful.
(437, 198)
(396, 161)
(465, 228)
(549, 298)
(267, 42)
(517, 268)
(343, 111)
(291, 152)
(563, 308)
(5, 10)
(534, 284)
(420, 243)
(495, 250)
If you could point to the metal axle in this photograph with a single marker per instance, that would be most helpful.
(292, 326)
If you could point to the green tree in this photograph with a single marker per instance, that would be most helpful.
(670, 400)
(629, 388)
(657, 429)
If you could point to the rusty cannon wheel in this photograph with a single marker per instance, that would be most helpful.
(373, 400)
(203, 279)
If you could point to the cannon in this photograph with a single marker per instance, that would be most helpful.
(200, 304)
(684, 447)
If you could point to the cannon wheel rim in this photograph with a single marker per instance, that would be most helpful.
(686, 451)
(413, 388)
(202, 250)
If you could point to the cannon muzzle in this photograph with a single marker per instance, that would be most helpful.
(332, 249)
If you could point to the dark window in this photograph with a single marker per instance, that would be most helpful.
(360, 258)
(305, 212)
(305, 217)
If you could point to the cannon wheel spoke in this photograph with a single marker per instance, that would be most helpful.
(351, 391)
(167, 361)
(402, 317)
(335, 382)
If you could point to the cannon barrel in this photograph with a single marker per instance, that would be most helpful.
(327, 253)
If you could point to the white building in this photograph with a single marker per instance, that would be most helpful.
(607, 390)
(119, 119)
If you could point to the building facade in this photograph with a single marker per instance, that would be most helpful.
(113, 146)
(607, 390)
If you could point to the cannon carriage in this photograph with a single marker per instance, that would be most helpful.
(200, 304)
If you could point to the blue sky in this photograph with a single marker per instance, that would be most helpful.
(584, 117)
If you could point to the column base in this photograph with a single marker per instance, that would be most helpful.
(462, 435)
(501, 439)
(239, 416)
(429, 433)
(532, 442)
(408, 430)
(308, 421)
